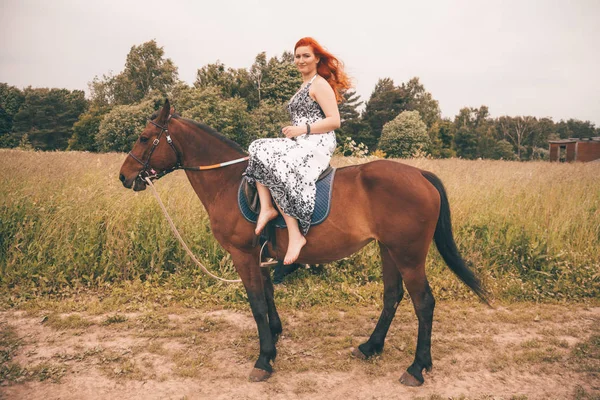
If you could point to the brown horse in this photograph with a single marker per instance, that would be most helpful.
(401, 207)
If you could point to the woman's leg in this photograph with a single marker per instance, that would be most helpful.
(267, 211)
(296, 240)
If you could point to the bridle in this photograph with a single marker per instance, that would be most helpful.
(148, 175)
(153, 174)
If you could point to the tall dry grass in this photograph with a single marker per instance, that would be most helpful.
(531, 230)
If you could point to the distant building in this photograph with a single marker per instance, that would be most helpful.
(574, 149)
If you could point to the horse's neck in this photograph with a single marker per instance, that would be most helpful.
(200, 148)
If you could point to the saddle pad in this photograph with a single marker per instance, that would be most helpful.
(322, 203)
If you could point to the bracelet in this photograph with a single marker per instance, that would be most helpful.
(308, 129)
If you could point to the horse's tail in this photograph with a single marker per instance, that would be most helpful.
(444, 241)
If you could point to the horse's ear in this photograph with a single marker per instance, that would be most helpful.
(164, 112)
(172, 110)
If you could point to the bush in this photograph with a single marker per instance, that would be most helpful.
(121, 127)
(349, 148)
(86, 129)
(405, 136)
(540, 153)
(504, 151)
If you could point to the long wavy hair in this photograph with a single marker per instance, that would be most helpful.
(329, 67)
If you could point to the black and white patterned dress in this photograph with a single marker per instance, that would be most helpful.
(290, 167)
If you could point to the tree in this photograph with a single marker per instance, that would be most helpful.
(542, 131)
(487, 145)
(208, 105)
(385, 103)
(47, 116)
(102, 91)
(441, 134)
(25, 144)
(405, 136)
(356, 129)
(120, 128)
(576, 128)
(351, 124)
(475, 134)
(145, 71)
(214, 75)
(517, 130)
(231, 82)
(281, 80)
(349, 106)
(422, 101)
(504, 151)
(465, 140)
(267, 120)
(229, 116)
(86, 128)
(11, 99)
(257, 74)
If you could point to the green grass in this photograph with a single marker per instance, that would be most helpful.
(530, 230)
(586, 355)
(114, 319)
(69, 322)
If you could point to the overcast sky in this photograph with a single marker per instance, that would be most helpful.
(539, 58)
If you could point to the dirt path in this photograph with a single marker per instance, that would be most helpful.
(521, 351)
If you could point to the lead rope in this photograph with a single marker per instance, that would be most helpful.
(176, 232)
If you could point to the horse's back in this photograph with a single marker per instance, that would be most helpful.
(383, 197)
(371, 181)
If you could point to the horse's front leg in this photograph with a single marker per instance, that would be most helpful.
(251, 275)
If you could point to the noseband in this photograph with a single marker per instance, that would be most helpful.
(153, 174)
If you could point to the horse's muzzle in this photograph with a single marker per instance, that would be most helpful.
(136, 182)
(139, 185)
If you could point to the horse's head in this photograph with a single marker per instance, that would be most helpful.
(153, 154)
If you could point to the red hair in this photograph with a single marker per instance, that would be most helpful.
(329, 67)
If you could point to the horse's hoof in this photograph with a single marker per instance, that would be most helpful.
(358, 354)
(409, 380)
(259, 375)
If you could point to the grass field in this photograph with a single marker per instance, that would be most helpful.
(531, 231)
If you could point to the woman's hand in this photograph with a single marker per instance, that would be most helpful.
(291, 132)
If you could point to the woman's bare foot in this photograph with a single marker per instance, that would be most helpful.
(293, 251)
(264, 217)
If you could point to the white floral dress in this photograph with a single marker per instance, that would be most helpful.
(290, 167)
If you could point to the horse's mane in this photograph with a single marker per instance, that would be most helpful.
(214, 133)
(206, 129)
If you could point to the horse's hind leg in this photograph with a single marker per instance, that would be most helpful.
(274, 321)
(392, 294)
(416, 283)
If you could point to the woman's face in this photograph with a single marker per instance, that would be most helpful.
(305, 59)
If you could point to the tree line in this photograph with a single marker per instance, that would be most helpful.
(248, 103)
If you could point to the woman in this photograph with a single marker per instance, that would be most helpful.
(286, 169)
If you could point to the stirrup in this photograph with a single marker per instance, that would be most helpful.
(269, 261)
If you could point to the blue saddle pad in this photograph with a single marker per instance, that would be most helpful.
(322, 203)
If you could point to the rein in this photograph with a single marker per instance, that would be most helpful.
(176, 232)
(147, 177)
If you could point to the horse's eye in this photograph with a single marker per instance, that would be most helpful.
(143, 139)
